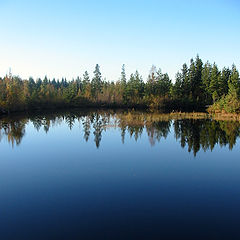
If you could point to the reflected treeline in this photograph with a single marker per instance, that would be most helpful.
(193, 134)
(205, 134)
(13, 130)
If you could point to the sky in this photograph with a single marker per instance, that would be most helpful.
(65, 38)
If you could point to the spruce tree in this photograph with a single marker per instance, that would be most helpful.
(96, 84)
(213, 87)
(123, 76)
(86, 81)
(234, 81)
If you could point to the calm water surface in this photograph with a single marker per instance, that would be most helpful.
(118, 175)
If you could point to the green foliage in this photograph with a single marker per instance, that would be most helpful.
(229, 103)
(206, 79)
(134, 90)
(214, 86)
(234, 82)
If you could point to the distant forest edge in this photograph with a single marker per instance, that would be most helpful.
(199, 86)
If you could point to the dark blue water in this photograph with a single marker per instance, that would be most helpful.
(118, 176)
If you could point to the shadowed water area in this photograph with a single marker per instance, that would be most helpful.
(118, 175)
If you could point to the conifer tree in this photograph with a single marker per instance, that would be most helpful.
(96, 84)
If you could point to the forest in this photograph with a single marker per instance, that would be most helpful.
(197, 86)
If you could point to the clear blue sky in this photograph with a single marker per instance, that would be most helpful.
(65, 38)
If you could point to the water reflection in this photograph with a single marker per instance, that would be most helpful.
(195, 134)
(13, 130)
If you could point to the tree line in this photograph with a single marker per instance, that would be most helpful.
(196, 86)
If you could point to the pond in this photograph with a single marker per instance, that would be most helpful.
(118, 175)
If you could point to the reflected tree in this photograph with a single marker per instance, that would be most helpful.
(14, 130)
(193, 134)
(98, 128)
(86, 127)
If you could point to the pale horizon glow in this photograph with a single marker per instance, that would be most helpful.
(65, 38)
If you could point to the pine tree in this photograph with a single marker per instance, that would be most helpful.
(185, 82)
(86, 81)
(150, 87)
(198, 93)
(96, 84)
(191, 75)
(177, 90)
(123, 76)
(234, 82)
(206, 79)
(213, 87)
(223, 81)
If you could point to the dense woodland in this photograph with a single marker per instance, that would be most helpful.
(196, 86)
(194, 134)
